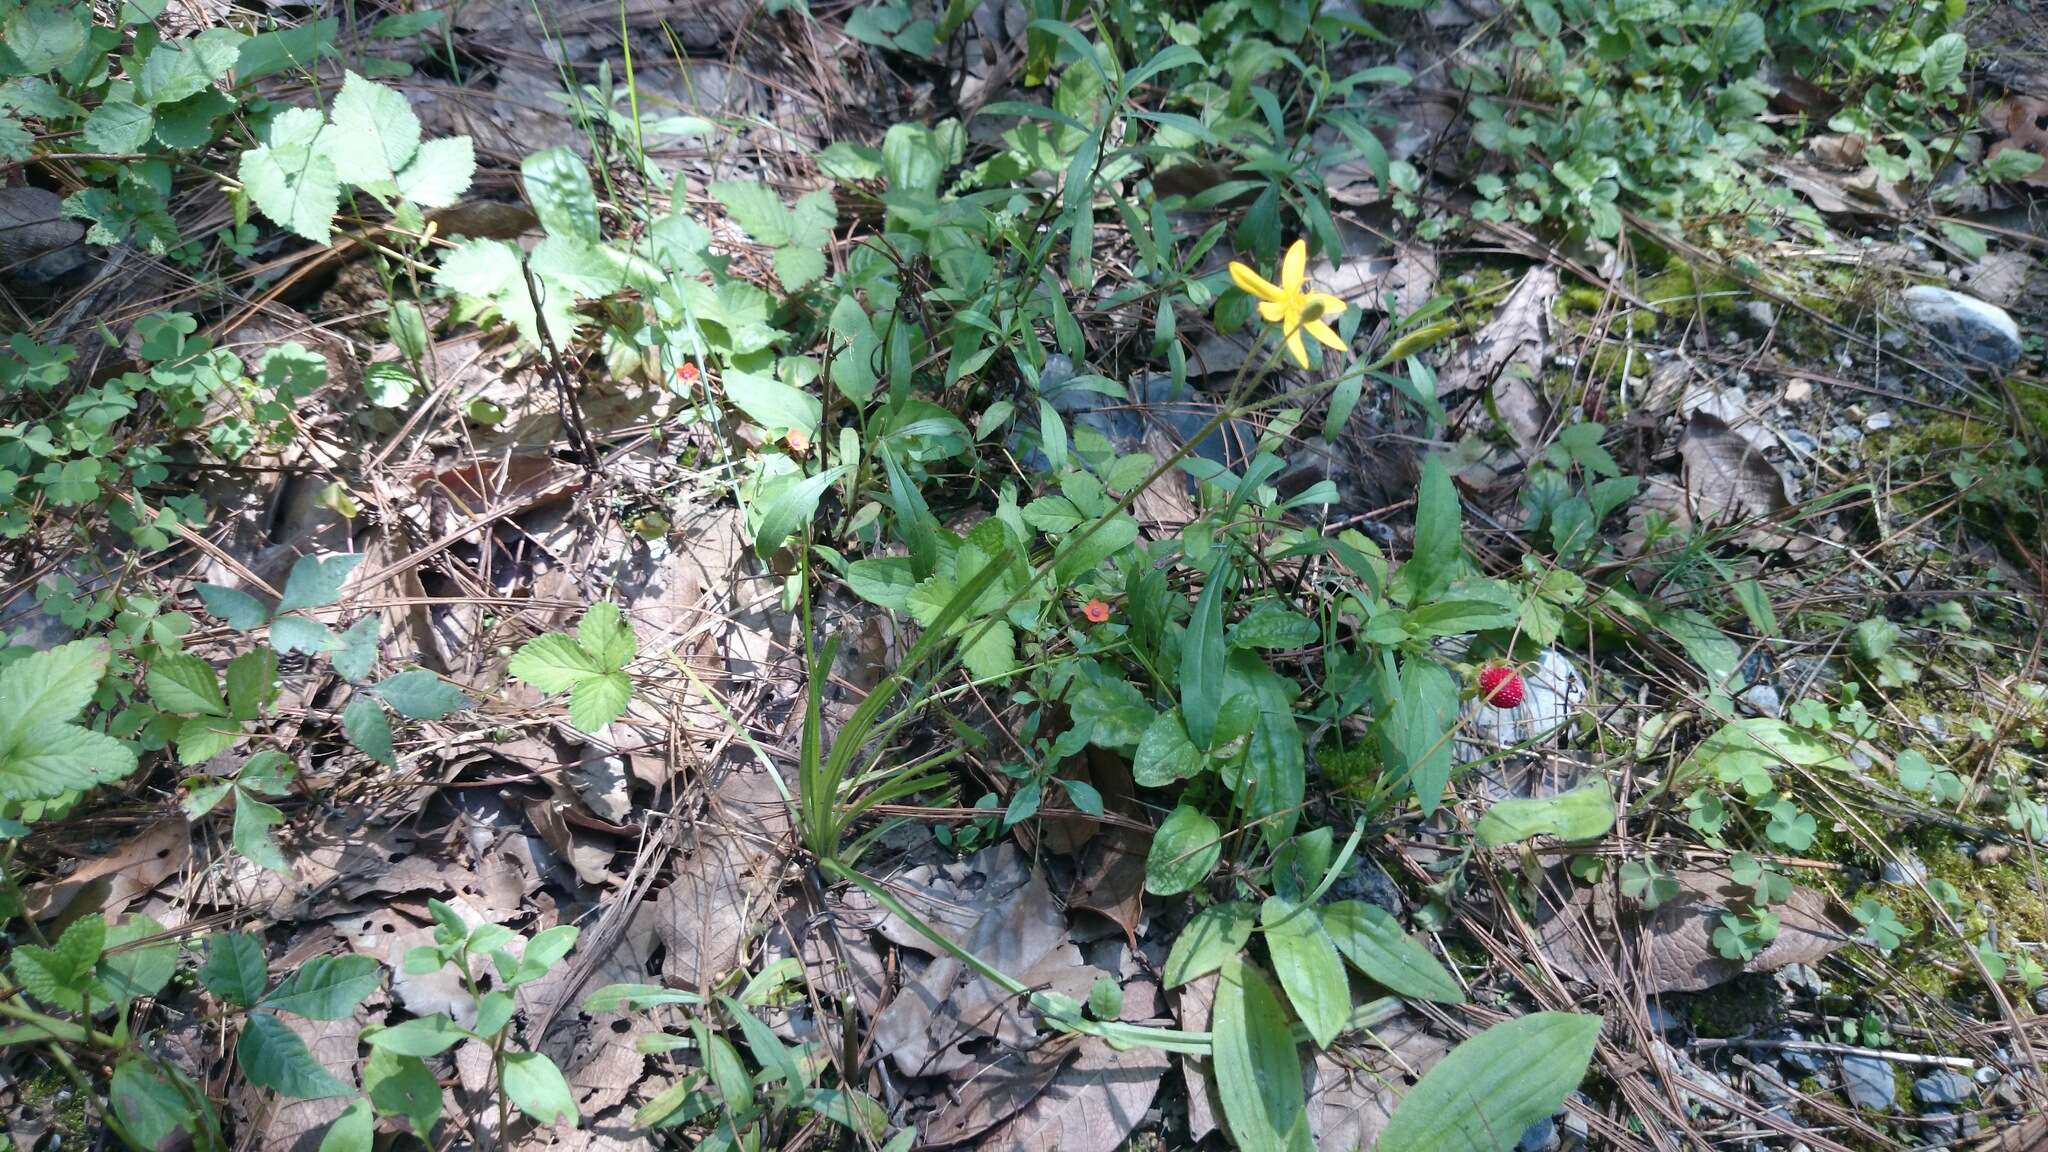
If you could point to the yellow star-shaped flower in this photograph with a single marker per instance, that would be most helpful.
(1289, 305)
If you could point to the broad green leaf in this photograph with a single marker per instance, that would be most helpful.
(46, 34)
(366, 727)
(316, 581)
(537, 1088)
(400, 1085)
(1308, 966)
(291, 179)
(625, 997)
(61, 974)
(599, 700)
(558, 185)
(791, 506)
(418, 694)
(1088, 547)
(234, 969)
(119, 126)
(1258, 1073)
(1415, 734)
(1275, 626)
(296, 633)
(1216, 934)
(183, 683)
(252, 683)
(375, 133)
(777, 407)
(273, 1056)
(150, 1099)
(1165, 753)
(885, 581)
(421, 1036)
(354, 653)
(1371, 939)
(1439, 532)
(253, 821)
(132, 970)
(1503, 1080)
(326, 987)
(238, 609)
(1943, 63)
(355, 1130)
(757, 210)
(53, 759)
(554, 662)
(1202, 656)
(1184, 851)
(285, 48)
(439, 173)
(1584, 813)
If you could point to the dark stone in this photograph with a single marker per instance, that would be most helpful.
(1868, 1082)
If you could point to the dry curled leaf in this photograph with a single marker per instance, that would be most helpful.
(1505, 358)
(107, 884)
(1587, 933)
(1729, 481)
(2022, 122)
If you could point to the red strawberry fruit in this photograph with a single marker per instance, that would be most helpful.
(1500, 686)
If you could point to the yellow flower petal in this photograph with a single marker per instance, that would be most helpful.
(1332, 306)
(1324, 334)
(1294, 268)
(1299, 349)
(1272, 311)
(1252, 282)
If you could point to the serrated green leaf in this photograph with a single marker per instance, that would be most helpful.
(418, 694)
(1272, 625)
(440, 173)
(46, 34)
(598, 700)
(326, 987)
(234, 969)
(119, 126)
(53, 759)
(291, 179)
(375, 133)
(273, 1056)
(604, 634)
(554, 662)
(252, 682)
(756, 209)
(183, 683)
(131, 970)
(1503, 1080)
(50, 687)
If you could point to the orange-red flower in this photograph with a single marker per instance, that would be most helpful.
(688, 372)
(1096, 611)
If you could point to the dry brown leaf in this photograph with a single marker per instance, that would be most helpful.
(984, 1100)
(703, 915)
(1111, 874)
(1505, 358)
(299, 1125)
(1352, 1090)
(1836, 193)
(2023, 121)
(1018, 928)
(596, 1052)
(1092, 1105)
(1728, 480)
(38, 243)
(1407, 274)
(1584, 935)
(589, 855)
(109, 883)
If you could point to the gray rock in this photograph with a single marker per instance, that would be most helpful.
(1366, 880)
(1798, 1059)
(1762, 700)
(1541, 1137)
(1868, 1082)
(1939, 1128)
(1576, 1132)
(1968, 326)
(1907, 871)
(1944, 1087)
(1666, 1022)
(1877, 421)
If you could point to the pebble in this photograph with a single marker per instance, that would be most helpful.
(1944, 1087)
(1845, 434)
(1799, 441)
(1541, 1137)
(1761, 313)
(1868, 1082)
(1366, 880)
(1939, 1128)
(1762, 700)
(1799, 392)
(1576, 1132)
(1877, 422)
(1665, 1021)
(1906, 871)
(1970, 327)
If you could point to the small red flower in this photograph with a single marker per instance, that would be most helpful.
(1500, 686)
(688, 373)
(1096, 611)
